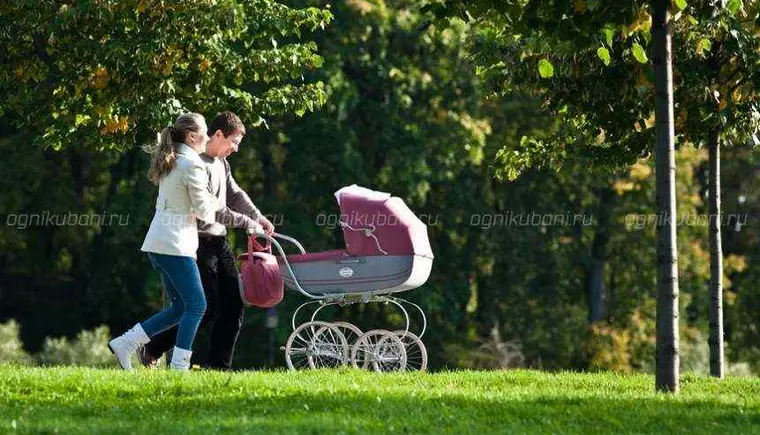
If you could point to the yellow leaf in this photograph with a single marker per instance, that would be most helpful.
(649, 122)
(737, 95)
(114, 124)
(167, 68)
(640, 171)
(642, 22)
(123, 124)
(204, 65)
(642, 79)
(601, 137)
(100, 110)
(100, 78)
(681, 119)
(734, 263)
(579, 6)
(646, 21)
(622, 186)
(19, 71)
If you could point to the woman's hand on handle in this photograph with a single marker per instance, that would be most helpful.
(255, 228)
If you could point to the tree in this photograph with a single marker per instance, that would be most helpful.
(667, 361)
(109, 74)
(716, 50)
(521, 42)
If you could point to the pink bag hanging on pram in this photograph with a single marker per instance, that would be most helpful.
(262, 284)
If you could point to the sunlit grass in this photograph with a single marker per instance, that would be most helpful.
(78, 400)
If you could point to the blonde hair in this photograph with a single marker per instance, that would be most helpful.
(164, 152)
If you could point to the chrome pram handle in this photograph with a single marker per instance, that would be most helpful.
(291, 240)
(279, 236)
(273, 241)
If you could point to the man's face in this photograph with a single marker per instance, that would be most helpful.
(221, 146)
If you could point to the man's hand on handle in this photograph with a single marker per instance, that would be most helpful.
(260, 227)
(266, 225)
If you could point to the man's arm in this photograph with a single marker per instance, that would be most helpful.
(232, 219)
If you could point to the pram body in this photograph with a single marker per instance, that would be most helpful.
(387, 251)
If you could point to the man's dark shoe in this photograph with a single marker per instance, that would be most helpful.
(146, 359)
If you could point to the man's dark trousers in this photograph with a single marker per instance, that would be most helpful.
(221, 284)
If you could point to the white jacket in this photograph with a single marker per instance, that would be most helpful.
(183, 197)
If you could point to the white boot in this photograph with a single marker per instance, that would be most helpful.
(181, 359)
(126, 344)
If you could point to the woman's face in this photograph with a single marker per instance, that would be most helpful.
(198, 140)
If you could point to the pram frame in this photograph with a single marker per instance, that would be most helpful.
(342, 299)
(337, 299)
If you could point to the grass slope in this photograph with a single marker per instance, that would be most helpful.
(78, 400)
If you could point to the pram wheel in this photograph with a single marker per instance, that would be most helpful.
(350, 331)
(316, 345)
(416, 353)
(379, 350)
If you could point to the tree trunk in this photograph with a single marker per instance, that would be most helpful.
(595, 285)
(667, 358)
(716, 263)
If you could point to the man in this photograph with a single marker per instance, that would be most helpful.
(216, 262)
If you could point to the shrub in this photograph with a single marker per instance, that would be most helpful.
(90, 348)
(11, 348)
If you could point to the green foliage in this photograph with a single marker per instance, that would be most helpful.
(734, 6)
(545, 68)
(11, 348)
(89, 348)
(109, 74)
(714, 50)
(604, 55)
(596, 104)
(639, 53)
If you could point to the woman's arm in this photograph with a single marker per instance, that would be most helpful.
(203, 204)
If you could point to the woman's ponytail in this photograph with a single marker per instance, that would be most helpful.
(164, 152)
(163, 155)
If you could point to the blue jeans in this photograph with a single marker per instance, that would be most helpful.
(182, 282)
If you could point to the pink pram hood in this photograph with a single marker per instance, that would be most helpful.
(376, 223)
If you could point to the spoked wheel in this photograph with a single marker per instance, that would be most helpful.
(416, 353)
(379, 350)
(350, 331)
(316, 345)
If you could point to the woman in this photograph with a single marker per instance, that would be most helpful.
(172, 240)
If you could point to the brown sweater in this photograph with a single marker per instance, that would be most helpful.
(238, 210)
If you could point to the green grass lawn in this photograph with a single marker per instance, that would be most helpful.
(76, 400)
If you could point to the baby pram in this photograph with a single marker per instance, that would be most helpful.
(387, 251)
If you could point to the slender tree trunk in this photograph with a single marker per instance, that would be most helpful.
(595, 285)
(717, 357)
(667, 358)
(596, 290)
(716, 263)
